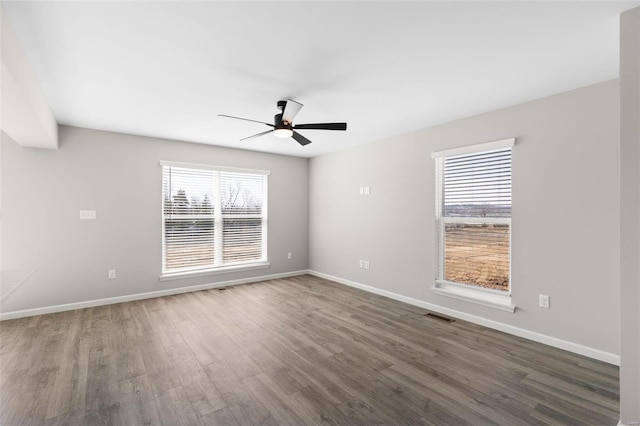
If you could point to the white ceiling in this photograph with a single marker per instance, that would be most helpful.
(166, 69)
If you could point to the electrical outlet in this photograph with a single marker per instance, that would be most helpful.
(112, 274)
(367, 191)
(543, 301)
(289, 255)
(366, 264)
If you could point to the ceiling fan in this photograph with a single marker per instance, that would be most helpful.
(283, 127)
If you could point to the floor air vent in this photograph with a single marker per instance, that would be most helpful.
(439, 317)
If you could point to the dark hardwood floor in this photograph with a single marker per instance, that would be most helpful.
(300, 350)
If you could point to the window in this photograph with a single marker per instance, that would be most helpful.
(213, 218)
(473, 223)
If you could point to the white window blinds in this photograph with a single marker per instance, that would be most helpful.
(478, 185)
(212, 217)
(242, 201)
(473, 217)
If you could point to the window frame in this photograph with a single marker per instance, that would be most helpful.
(218, 217)
(497, 299)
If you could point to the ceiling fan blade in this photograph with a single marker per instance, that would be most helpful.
(256, 136)
(245, 119)
(322, 126)
(291, 109)
(300, 139)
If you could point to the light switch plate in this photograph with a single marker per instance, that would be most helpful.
(543, 301)
(87, 214)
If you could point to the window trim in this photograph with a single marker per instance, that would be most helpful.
(472, 149)
(213, 271)
(218, 218)
(481, 296)
(491, 298)
(164, 163)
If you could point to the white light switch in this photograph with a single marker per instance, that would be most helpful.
(543, 301)
(87, 214)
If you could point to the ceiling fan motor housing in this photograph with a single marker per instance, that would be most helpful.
(279, 123)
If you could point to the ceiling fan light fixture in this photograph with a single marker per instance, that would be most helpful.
(283, 133)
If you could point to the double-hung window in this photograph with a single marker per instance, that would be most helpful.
(473, 223)
(214, 219)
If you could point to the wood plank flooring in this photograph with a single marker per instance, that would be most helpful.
(294, 351)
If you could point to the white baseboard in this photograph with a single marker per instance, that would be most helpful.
(520, 332)
(140, 296)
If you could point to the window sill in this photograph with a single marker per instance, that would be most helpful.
(485, 297)
(221, 270)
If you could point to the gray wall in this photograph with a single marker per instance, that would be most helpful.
(630, 217)
(565, 213)
(119, 176)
